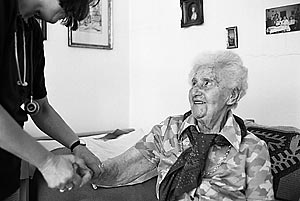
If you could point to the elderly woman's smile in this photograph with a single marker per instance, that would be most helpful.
(198, 105)
(207, 97)
(198, 99)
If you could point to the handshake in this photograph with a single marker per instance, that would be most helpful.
(67, 172)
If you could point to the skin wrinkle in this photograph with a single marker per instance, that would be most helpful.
(134, 163)
(212, 99)
(208, 78)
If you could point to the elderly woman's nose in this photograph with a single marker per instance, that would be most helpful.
(196, 90)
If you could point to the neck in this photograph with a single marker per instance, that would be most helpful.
(27, 8)
(213, 125)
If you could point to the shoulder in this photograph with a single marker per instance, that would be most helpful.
(171, 123)
(252, 142)
(8, 14)
(174, 119)
(255, 150)
(8, 7)
(250, 138)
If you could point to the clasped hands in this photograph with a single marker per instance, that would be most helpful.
(67, 172)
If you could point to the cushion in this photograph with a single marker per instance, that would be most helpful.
(284, 147)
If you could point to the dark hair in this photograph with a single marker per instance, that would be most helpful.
(76, 10)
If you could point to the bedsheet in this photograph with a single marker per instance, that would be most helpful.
(104, 147)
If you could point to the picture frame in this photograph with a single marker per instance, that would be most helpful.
(192, 12)
(43, 25)
(283, 19)
(232, 37)
(95, 31)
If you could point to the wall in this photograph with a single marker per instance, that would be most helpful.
(161, 53)
(144, 78)
(89, 87)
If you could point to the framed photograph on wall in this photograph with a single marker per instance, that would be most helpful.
(192, 12)
(43, 25)
(95, 31)
(232, 37)
(283, 19)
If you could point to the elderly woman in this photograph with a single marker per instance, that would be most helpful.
(207, 153)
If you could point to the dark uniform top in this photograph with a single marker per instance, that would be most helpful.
(13, 96)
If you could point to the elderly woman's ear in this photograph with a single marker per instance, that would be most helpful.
(234, 97)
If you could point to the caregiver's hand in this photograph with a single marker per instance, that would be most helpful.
(61, 171)
(90, 160)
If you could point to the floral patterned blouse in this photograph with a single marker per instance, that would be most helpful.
(241, 171)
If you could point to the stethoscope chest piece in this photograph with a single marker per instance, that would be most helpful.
(32, 107)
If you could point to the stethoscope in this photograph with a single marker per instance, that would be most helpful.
(31, 106)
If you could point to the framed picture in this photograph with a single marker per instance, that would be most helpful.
(283, 19)
(192, 12)
(43, 25)
(95, 31)
(232, 37)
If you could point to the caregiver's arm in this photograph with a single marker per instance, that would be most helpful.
(124, 168)
(50, 122)
(57, 170)
(16, 141)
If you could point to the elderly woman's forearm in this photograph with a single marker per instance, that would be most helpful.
(124, 168)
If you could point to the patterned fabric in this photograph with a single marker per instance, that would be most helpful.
(244, 174)
(187, 172)
(284, 148)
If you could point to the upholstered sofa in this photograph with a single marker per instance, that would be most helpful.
(284, 147)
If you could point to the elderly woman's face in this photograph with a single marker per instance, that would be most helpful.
(207, 96)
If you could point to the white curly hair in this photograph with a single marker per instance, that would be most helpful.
(228, 68)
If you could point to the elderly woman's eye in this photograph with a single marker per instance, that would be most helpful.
(207, 83)
(194, 82)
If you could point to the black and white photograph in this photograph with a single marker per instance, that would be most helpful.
(95, 31)
(283, 19)
(133, 100)
(232, 37)
(192, 12)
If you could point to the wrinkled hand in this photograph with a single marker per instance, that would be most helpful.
(65, 172)
(90, 160)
